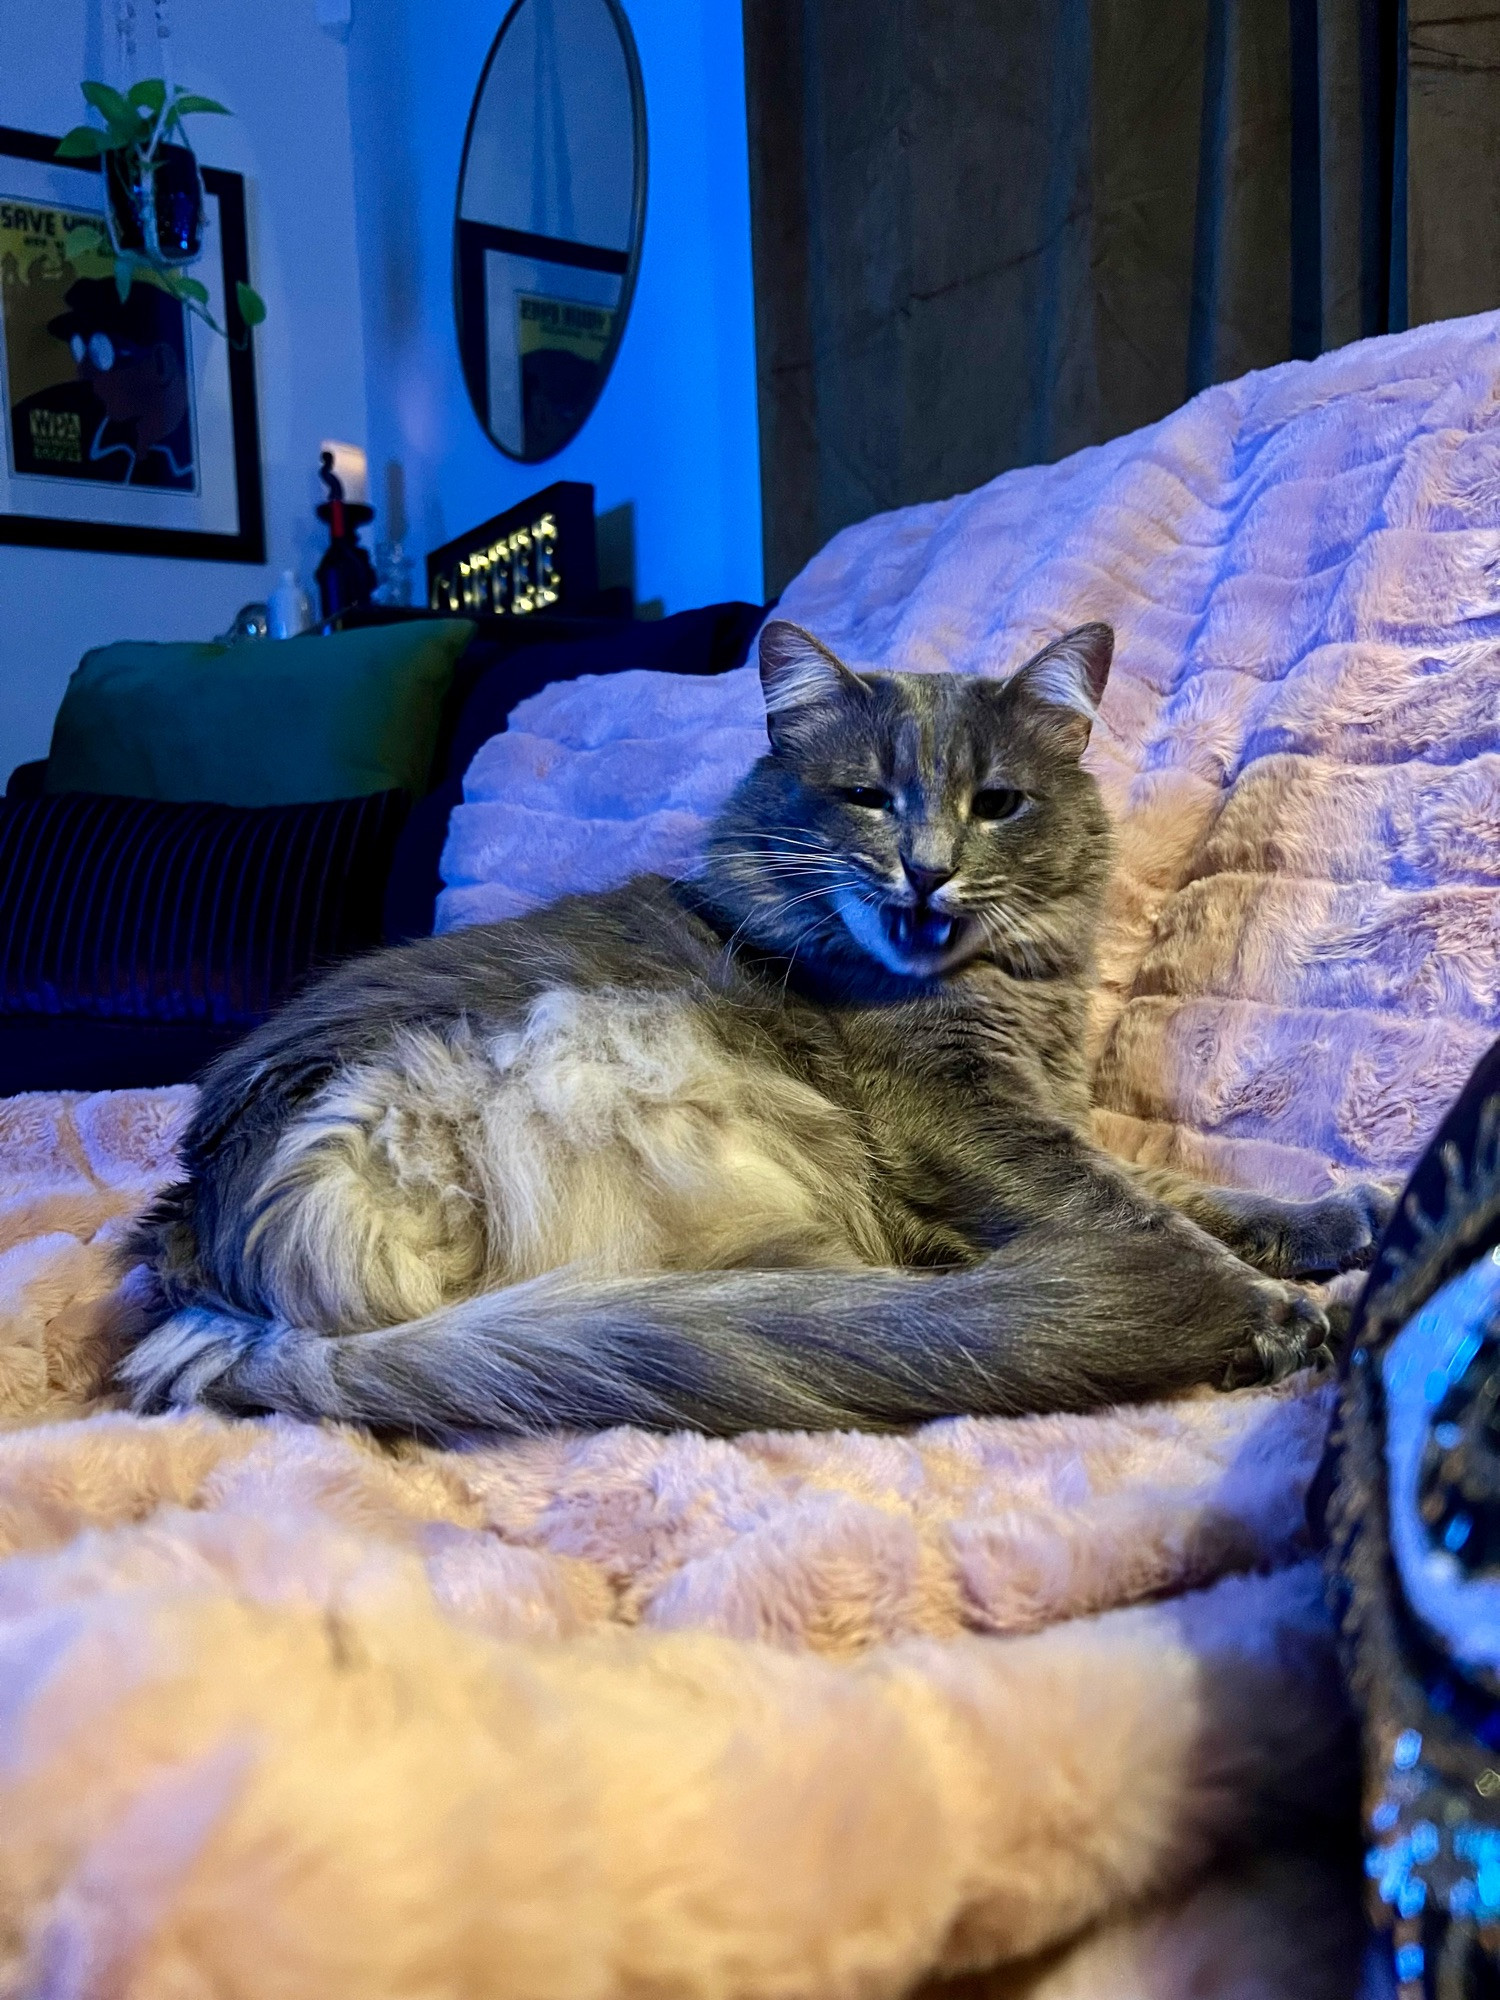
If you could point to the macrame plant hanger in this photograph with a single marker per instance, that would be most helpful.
(164, 43)
(129, 46)
(125, 46)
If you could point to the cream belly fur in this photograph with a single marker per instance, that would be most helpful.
(610, 1131)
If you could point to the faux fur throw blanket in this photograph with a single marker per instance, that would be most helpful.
(284, 1713)
(1299, 744)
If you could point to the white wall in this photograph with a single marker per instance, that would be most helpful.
(287, 82)
(675, 430)
(351, 158)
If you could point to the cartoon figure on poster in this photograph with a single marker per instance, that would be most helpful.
(562, 344)
(98, 388)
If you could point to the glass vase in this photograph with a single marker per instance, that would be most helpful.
(154, 206)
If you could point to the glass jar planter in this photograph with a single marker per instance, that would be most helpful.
(154, 203)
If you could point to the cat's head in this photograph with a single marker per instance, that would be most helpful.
(919, 821)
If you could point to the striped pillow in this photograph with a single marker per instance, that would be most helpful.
(133, 910)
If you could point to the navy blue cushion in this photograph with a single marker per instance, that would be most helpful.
(131, 910)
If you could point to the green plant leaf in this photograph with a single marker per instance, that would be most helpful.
(252, 306)
(150, 94)
(121, 118)
(123, 126)
(184, 106)
(89, 251)
(189, 288)
(110, 104)
(84, 142)
(124, 273)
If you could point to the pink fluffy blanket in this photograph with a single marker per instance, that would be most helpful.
(284, 1713)
(1040, 1708)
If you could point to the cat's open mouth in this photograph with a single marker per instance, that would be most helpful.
(917, 932)
(912, 939)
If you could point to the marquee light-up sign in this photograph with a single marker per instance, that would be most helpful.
(539, 556)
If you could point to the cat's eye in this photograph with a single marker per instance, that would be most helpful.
(871, 797)
(995, 802)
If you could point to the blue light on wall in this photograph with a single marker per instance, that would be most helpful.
(674, 434)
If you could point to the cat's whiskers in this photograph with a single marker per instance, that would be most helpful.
(808, 896)
(778, 907)
(1008, 938)
(794, 842)
(788, 866)
(780, 863)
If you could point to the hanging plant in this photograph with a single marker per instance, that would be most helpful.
(153, 195)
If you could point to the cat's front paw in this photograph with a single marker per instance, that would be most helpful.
(1315, 1239)
(1288, 1329)
(1342, 1231)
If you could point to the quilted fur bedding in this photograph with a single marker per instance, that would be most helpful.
(1299, 744)
(284, 1713)
(1041, 1708)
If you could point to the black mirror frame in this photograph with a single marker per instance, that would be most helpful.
(637, 225)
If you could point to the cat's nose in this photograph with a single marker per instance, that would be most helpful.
(926, 881)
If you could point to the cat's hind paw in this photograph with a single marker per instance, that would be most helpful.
(1289, 1330)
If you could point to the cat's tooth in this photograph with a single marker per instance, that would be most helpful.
(942, 932)
(903, 928)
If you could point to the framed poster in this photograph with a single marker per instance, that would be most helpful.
(128, 426)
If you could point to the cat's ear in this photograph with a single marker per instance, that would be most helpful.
(801, 678)
(1068, 678)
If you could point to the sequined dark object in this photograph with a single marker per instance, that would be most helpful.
(1411, 1495)
(1459, 1488)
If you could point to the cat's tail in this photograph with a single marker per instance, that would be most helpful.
(1058, 1320)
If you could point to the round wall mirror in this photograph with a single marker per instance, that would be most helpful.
(551, 204)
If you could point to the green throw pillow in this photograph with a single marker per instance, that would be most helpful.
(265, 722)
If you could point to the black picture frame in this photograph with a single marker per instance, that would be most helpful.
(248, 544)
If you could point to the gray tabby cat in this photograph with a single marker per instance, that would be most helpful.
(804, 1143)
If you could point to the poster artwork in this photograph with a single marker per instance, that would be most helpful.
(97, 388)
(562, 344)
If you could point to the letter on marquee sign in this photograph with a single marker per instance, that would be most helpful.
(539, 556)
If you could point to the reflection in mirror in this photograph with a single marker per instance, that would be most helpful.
(550, 207)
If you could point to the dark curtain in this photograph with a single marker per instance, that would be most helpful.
(988, 232)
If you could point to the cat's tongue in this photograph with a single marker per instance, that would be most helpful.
(920, 930)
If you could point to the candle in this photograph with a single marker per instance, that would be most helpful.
(351, 469)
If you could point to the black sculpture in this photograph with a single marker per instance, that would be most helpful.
(346, 575)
